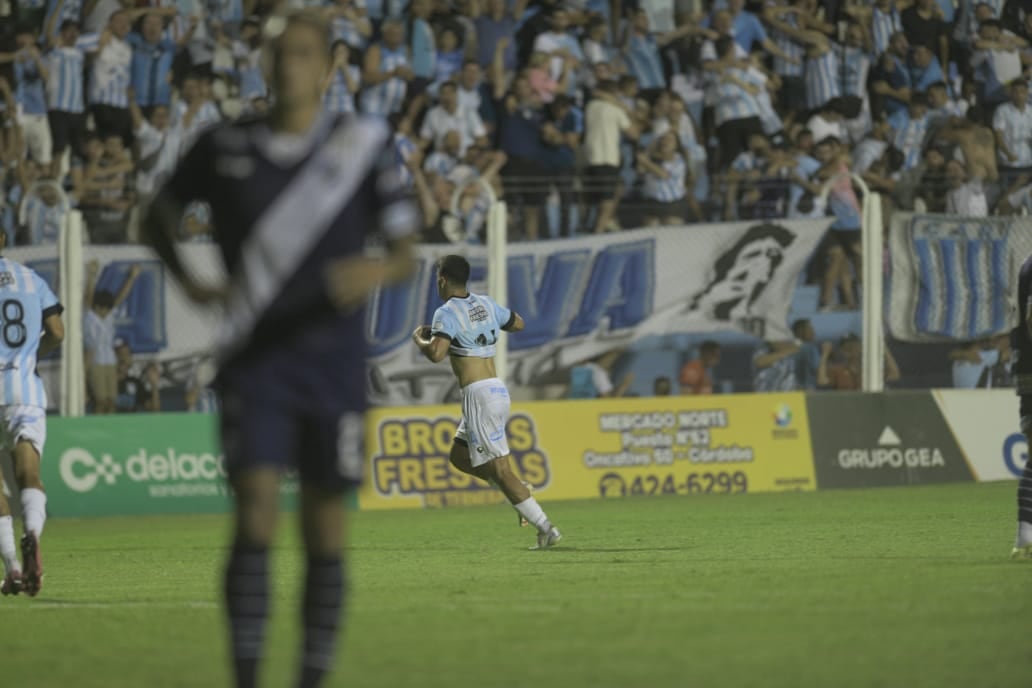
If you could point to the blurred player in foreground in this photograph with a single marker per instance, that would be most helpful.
(1021, 341)
(466, 327)
(297, 197)
(30, 328)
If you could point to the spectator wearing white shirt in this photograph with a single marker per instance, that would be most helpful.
(43, 215)
(109, 85)
(605, 121)
(966, 196)
(449, 116)
(30, 77)
(194, 112)
(563, 49)
(1012, 124)
(996, 61)
(941, 107)
(446, 157)
(666, 175)
(1017, 200)
(597, 51)
(737, 112)
(157, 145)
(99, 338)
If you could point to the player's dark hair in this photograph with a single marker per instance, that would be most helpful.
(102, 298)
(455, 269)
(723, 45)
(314, 21)
(708, 347)
(799, 325)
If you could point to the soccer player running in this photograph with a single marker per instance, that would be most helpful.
(466, 327)
(297, 197)
(1021, 341)
(30, 328)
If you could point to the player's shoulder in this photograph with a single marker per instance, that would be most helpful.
(348, 129)
(443, 311)
(483, 299)
(13, 274)
(230, 136)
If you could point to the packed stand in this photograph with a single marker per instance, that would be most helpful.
(586, 116)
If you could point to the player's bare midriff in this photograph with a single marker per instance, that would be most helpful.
(469, 369)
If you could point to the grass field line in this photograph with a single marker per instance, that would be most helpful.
(125, 604)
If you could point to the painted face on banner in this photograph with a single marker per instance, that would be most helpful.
(743, 272)
(756, 263)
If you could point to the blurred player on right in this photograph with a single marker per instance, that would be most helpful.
(1021, 341)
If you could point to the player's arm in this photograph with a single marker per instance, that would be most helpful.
(435, 340)
(432, 345)
(191, 181)
(1028, 317)
(350, 281)
(514, 323)
(127, 286)
(53, 330)
(92, 270)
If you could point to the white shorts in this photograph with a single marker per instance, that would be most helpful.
(38, 142)
(28, 423)
(485, 412)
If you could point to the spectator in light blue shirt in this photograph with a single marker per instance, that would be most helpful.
(59, 12)
(152, 62)
(924, 69)
(66, 89)
(422, 45)
(972, 365)
(30, 76)
(492, 27)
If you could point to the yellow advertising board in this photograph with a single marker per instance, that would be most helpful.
(729, 444)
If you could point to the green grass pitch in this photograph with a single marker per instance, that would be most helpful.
(897, 587)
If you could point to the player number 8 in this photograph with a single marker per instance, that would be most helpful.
(14, 331)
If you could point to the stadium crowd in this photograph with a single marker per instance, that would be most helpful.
(587, 116)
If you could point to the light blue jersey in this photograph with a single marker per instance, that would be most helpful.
(472, 324)
(388, 96)
(25, 302)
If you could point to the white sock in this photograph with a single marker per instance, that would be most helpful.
(34, 508)
(1024, 534)
(535, 515)
(8, 552)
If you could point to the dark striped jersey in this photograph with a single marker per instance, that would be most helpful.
(284, 207)
(1020, 340)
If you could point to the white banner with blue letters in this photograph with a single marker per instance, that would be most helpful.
(579, 297)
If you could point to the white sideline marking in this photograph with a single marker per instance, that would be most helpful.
(55, 604)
